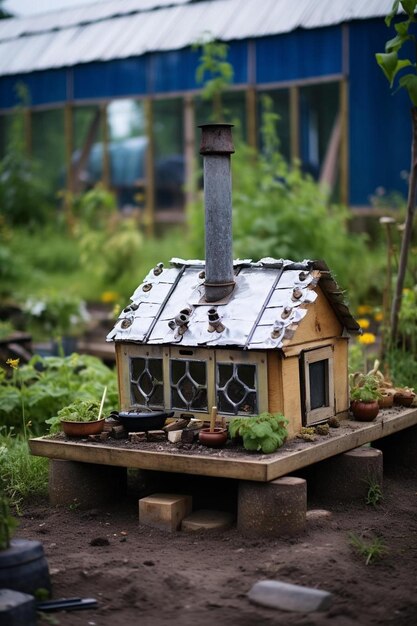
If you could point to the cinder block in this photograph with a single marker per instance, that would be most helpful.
(164, 510)
(272, 509)
(348, 476)
(17, 608)
(85, 485)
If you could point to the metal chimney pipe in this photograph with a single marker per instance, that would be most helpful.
(216, 147)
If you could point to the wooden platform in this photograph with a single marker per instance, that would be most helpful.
(293, 456)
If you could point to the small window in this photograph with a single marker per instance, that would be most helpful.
(318, 384)
(188, 385)
(236, 388)
(146, 382)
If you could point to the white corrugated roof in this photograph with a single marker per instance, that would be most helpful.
(269, 301)
(123, 28)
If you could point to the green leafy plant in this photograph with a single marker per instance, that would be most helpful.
(214, 71)
(80, 411)
(56, 315)
(392, 62)
(365, 388)
(23, 196)
(266, 432)
(371, 551)
(51, 383)
(7, 521)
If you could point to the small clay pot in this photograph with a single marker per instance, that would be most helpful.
(82, 429)
(386, 401)
(404, 399)
(213, 439)
(364, 411)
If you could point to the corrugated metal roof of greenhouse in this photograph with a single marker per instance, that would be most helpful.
(125, 28)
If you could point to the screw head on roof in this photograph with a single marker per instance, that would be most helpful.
(147, 287)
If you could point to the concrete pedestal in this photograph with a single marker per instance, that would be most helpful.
(272, 509)
(347, 476)
(85, 485)
(400, 448)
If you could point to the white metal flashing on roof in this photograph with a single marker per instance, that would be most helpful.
(124, 28)
(270, 299)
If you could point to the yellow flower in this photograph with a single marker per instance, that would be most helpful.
(367, 338)
(14, 363)
(364, 309)
(116, 310)
(363, 323)
(109, 296)
(378, 316)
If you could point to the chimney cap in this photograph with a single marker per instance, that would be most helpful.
(216, 138)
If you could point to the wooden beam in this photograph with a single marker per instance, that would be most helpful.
(252, 137)
(89, 140)
(189, 148)
(149, 216)
(106, 172)
(344, 141)
(294, 122)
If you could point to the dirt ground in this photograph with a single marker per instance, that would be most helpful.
(145, 576)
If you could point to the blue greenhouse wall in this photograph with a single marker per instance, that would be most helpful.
(379, 121)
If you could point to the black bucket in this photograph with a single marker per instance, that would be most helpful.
(23, 567)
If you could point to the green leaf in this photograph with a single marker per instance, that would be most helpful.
(391, 65)
(393, 45)
(270, 444)
(392, 13)
(409, 6)
(409, 81)
(250, 444)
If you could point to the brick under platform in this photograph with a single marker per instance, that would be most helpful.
(164, 511)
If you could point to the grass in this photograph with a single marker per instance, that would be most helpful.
(370, 551)
(23, 476)
(374, 495)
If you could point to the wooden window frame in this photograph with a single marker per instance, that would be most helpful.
(210, 356)
(326, 353)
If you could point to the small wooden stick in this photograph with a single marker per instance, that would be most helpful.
(103, 397)
(213, 418)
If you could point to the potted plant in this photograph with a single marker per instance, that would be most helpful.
(23, 566)
(214, 436)
(404, 396)
(364, 397)
(82, 417)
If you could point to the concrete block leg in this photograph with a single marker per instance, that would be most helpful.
(85, 485)
(400, 449)
(347, 477)
(272, 509)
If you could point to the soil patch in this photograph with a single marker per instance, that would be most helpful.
(144, 576)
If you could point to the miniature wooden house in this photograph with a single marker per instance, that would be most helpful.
(245, 337)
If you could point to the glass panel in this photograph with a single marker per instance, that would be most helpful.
(188, 385)
(5, 128)
(281, 106)
(319, 384)
(88, 148)
(48, 146)
(236, 388)
(319, 108)
(127, 147)
(169, 154)
(146, 382)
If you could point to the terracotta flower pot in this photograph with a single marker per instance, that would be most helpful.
(404, 399)
(82, 429)
(386, 401)
(213, 439)
(364, 411)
